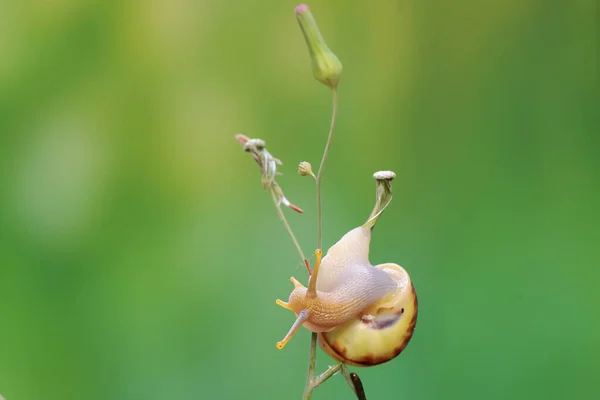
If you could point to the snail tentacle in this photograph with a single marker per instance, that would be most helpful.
(302, 317)
(312, 285)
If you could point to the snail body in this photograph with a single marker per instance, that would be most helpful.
(365, 315)
(350, 289)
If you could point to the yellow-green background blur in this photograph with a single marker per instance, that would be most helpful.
(140, 258)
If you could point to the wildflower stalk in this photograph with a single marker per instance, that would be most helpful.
(267, 164)
(287, 226)
(327, 69)
(311, 382)
(321, 167)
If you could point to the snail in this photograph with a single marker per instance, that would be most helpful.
(365, 315)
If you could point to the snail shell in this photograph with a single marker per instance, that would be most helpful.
(379, 333)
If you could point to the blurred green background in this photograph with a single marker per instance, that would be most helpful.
(140, 258)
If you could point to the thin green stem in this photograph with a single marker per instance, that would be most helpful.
(311, 382)
(321, 167)
(312, 356)
(310, 379)
(346, 374)
(288, 228)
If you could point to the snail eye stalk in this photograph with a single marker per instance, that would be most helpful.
(312, 285)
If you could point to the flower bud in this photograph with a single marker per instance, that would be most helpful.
(326, 67)
(305, 169)
(383, 195)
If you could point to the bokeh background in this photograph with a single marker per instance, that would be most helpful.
(140, 259)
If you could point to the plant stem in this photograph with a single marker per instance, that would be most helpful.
(288, 228)
(310, 379)
(321, 166)
(354, 383)
(312, 356)
(346, 374)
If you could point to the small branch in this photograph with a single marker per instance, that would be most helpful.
(353, 380)
(320, 173)
(288, 228)
(329, 372)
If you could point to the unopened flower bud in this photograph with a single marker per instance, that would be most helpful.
(305, 169)
(326, 67)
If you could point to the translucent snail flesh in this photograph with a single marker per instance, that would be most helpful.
(365, 315)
